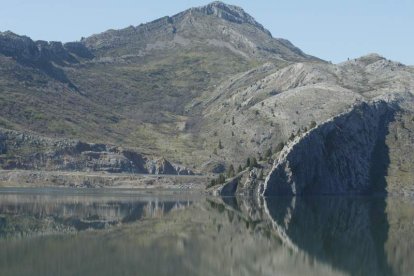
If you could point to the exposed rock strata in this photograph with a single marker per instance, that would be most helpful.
(25, 150)
(337, 157)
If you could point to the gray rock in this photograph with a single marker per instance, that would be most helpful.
(30, 151)
(339, 156)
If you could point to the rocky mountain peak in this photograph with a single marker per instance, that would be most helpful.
(216, 25)
(230, 13)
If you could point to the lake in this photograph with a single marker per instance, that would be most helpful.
(128, 232)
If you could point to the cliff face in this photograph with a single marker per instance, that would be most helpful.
(24, 150)
(45, 56)
(346, 154)
(24, 49)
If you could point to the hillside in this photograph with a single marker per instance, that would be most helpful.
(133, 86)
(205, 88)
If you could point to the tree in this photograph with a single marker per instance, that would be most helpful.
(248, 162)
(221, 179)
(232, 121)
(253, 163)
(220, 146)
(312, 125)
(268, 153)
(291, 137)
(212, 183)
(260, 175)
(240, 169)
(230, 171)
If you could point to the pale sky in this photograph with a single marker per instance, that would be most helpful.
(330, 29)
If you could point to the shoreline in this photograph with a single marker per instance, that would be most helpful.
(65, 179)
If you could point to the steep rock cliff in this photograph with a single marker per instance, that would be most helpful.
(343, 155)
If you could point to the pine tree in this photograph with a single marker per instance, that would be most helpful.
(254, 162)
(212, 183)
(248, 162)
(268, 153)
(240, 169)
(230, 171)
(261, 175)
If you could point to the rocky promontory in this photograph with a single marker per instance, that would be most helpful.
(352, 153)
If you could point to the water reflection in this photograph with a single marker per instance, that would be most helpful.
(186, 235)
(346, 233)
(23, 214)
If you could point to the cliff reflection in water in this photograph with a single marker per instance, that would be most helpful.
(151, 235)
(346, 233)
(24, 214)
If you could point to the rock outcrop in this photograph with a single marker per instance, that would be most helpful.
(43, 55)
(339, 156)
(230, 13)
(25, 150)
(24, 49)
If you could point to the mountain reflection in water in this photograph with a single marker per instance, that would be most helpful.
(113, 233)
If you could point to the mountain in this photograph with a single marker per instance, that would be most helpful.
(216, 25)
(133, 86)
(209, 87)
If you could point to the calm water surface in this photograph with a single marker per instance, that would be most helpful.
(121, 232)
